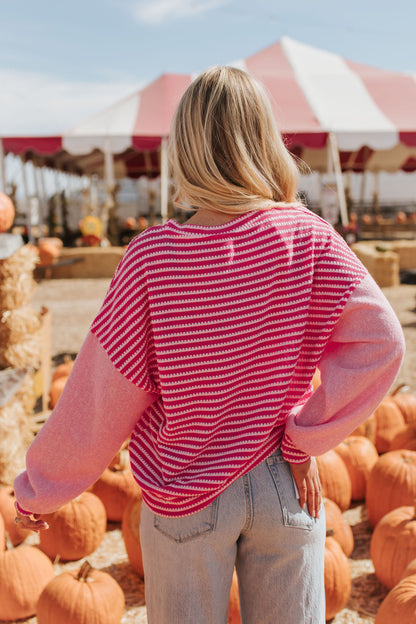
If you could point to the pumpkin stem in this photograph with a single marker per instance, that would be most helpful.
(397, 390)
(84, 571)
(330, 532)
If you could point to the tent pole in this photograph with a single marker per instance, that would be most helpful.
(2, 168)
(109, 209)
(164, 194)
(108, 165)
(334, 152)
(27, 203)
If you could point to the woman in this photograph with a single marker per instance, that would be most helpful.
(204, 352)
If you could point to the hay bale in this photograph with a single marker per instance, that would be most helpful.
(380, 261)
(16, 278)
(15, 437)
(20, 338)
(406, 250)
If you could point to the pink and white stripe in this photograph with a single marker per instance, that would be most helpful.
(226, 325)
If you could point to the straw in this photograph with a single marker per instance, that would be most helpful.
(15, 437)
(16, 292)
(20, 338)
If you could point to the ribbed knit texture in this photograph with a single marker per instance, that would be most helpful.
(227, 325)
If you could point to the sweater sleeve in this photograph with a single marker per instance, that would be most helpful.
(358, 366)
(95, 414)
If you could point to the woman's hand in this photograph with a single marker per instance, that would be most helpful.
(33, 522)
(306, 477)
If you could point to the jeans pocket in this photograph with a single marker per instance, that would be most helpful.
(293, 514)
(188, 527)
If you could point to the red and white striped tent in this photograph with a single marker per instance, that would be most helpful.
(330, 110)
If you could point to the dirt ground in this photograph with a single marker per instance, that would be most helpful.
(73, 305)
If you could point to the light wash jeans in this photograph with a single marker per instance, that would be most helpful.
(257, 525)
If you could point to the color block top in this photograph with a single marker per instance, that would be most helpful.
(226, 325)
(204, 351)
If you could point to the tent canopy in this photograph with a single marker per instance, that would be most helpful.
(370, 112)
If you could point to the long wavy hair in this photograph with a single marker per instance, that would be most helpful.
(225, 150)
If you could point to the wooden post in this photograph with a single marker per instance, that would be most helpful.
(334, 152)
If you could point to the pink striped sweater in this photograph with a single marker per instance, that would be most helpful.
(217, 332)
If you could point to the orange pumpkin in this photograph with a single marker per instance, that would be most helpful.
(337, 577)
(130, 529)
(7, 212)
(24, 572)
(49, 250)
(399, 606)
(410, 569)
(234, 602)
(84, 596)
(406, 402)
(2, 535)
(55, 390)
(393, 544)
(335, 480)
(64, 369)
(341, 530)
(391, 484)
(405, 438)
(76, 529)
(389, 421)
(115, 487)
(130, 223)
(401, 217)
(7, 510)
(316, 379)
(359, 456)
(367, 429)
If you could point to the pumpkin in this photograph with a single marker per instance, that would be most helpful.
(2, 535)
(335, 480)
(64, 369)
(389, 421)
(337, 577)
(336, 522)
(6, 212)
(406, 402)
(130, 529)
(115, 487)
(49, 250)
(76, 529)
(24, 572)
(367, 429)
(7, 509)
(316, 379)
(234, 602)
(410, 569)
(405, 438)
(393, 544)
(84, 596)
(399, 606)
(55, 390)
(359, 456)
(391, 484)
(130, 223)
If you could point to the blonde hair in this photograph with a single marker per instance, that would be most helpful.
(225, 150)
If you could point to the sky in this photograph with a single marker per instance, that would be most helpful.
(63, 62)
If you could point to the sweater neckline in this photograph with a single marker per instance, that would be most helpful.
(239, 221)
